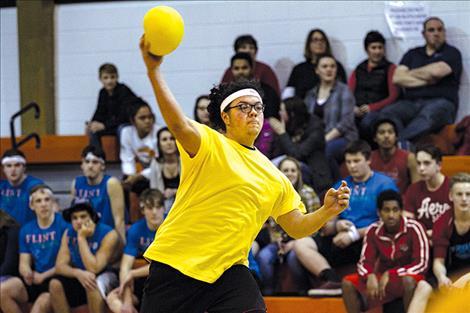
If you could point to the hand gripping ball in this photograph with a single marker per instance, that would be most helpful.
(164, 29)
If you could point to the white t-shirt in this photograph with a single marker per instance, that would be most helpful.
(133, 147)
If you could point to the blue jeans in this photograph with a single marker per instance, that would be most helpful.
(335, 149)
(415, 118)
(268, 259)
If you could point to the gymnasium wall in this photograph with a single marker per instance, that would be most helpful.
(90, 34)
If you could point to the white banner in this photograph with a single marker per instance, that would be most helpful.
(405, 18)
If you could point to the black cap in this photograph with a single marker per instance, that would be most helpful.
(80, 205)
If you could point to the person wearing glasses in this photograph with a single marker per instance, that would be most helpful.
(228, 189)
(303, 76)
(241, 65)
(430, 78)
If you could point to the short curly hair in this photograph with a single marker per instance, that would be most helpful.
(222, 91)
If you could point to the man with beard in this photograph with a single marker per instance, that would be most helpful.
(430, 78)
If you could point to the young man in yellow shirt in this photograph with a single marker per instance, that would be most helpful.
(227, 191)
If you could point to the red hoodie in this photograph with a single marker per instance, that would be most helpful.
(406, 253)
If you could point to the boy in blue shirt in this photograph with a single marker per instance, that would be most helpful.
(86, 249)
(104, 192)
(339, 242)
(39, 242)
(15, 189)
(139, 236)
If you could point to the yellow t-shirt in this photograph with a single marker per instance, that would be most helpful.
(226, 193)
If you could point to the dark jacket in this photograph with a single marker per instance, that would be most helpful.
(113, 110)
(309, 149)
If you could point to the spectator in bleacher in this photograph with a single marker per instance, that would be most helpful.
(39, 243)
(139, 236)
(339, 242)
(261, 71)
(82, 265)
(372, 84)
(430, 77)
(165, 170)
(282, 244)
(291, 168)
(427, 199)
(332, 101)
(104, 192)
(301, 136)
(9, 230)
(241, 66)
(15, 189)
(138, 143)
(201, 115)
(451, 246)
(303, 76)
(393, 260)
(112, 108)
(397, 163)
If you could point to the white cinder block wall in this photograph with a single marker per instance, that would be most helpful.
(90, 34)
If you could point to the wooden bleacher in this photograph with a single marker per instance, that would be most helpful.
(57, 149)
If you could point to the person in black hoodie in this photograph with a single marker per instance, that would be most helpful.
(112, 109)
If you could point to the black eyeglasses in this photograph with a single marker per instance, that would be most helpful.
(247, 108)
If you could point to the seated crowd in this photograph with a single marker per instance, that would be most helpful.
(405, 233)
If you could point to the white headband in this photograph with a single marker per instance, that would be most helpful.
(13, 159)
(45, 190)
(238, 94)
(91, 157)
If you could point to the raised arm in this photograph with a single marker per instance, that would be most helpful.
(298, 225)
(180, 126)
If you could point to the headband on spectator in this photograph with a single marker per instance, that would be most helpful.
(44, 189)
(91, 157)
(13, 159)
(238, 94)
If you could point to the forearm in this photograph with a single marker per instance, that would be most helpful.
(24, 269)
(66, 270)
(89, 259)
(403, 78)
(120, 227)
(49, 273)
(305, 225)
(439, 269)
(141, 271)
(332, 134)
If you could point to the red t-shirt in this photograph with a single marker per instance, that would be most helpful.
(427, 206)
(396, 167)
(262, 71)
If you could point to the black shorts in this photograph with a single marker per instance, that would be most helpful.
(169, 291)
(335, 255)
(34, 291)
(74, 291)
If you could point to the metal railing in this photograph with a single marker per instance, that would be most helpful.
(33, 135)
